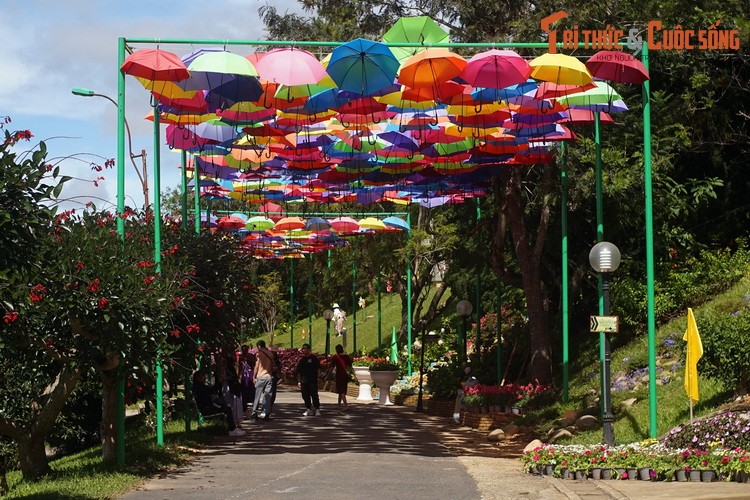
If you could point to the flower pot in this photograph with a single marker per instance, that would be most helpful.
(633, 473)
(606, 473)
(365, 382)
(566, 474)
(385, 380)
(549, 469)
(579, 474)
(621, 473)
(680, 475)
(508, 410)
(644, 474)
(742, 477)
(708, 475)
(695, 475)
(596, 473)
(515, 410)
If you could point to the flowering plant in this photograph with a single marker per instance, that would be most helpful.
(383, 365)
(364, 361)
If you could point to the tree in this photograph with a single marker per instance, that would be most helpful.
(269, 302)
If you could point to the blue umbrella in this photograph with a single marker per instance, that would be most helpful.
(362, 66)
(396, 222)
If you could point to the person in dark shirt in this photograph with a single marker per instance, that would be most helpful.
(206, 400)
(307, 374)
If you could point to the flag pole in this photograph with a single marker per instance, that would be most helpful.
(691, 409)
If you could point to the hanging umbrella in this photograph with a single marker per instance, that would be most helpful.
(560, 69)
(431, 67)
(155, 64)
(259, 223)
(184, 139)
(212, 69)
(289, 224)
(344, 224)
(396, 222)
(602, 93)
(290, 67)
(273, 210)
(496, 69)
(362, 66)
(231, 89)
(617, 66)
(230, 222)
(417, 29)
(549, 90)
(372, 223)
(317, 224)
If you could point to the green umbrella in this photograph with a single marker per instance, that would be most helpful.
(601, 94)
(419, 29)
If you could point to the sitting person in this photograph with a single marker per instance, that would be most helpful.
(209, 403)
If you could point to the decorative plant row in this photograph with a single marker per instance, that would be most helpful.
(648, 461)
(495, 398)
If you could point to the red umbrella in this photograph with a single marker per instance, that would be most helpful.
(617, 66)
(155, 64)
(344, 224)
(496, 69)
(272, 210)
(290, 67)
(586, 116)
(231, 222)
(549, 90)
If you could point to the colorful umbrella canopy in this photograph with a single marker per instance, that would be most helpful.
(431, 67)
(396, 222)
(372, 223)
(290, 67)
(617, 66)
(362, 66)
(560, 69)
(344, 224)
(289, 223)
(317, 224)
(259, 223)
(496, 69)
(155, 64)
(417, 29)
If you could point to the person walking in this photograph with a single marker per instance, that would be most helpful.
(307, 373)
(339, 317)
(263, 377)
(343, 364)
(247, 362)
(209, 403)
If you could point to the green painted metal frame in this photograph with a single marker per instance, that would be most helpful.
(122, 44)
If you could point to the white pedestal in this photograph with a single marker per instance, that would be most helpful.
(365, 383)
(385, 380)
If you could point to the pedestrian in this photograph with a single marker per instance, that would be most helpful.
(247, 362)
(307, 373)
(339, 316)
(263, 377)
(209, 403)
(276, 374)
(343, 364)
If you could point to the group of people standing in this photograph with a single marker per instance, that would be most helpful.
(246, 385)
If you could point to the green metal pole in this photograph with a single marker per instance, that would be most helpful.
(599, 239)
(499, 352)
(478, 287)
(310, 300)
(291, 303)
(564, 263)
(408, 294)
(157, 261)
(649, 248)
(197, 198)
(121, 373)
(354, 303)
(183, 188)
(380, 336)
(328, 337)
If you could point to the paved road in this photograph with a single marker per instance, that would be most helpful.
(384, 453)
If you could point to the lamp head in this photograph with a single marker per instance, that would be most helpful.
(327, 314)
(464, 308)
(604, 257)
(83, 92)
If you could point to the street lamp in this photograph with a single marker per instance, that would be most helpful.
(604, 257)
(328, 315)
(143, 177)
(464, 308)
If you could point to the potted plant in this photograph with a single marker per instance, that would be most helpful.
(384, 373)
(361, 367)
(472, 402)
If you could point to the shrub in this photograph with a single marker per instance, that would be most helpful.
(443, 380)
(725, 353)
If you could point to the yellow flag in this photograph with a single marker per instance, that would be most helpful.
(694, 353)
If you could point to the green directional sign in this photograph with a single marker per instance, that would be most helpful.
(605, 324)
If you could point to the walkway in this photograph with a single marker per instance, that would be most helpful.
(384, 453)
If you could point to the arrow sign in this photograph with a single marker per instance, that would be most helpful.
(605, 324)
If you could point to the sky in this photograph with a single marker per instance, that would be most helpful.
(49, 47)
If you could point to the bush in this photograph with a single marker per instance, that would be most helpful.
(725, 353)
(443, 380)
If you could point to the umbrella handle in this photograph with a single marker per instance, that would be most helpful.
(313, 117)
(478, 109)
(375, 120)
(460, 127)
(410, 156)
(371, 140)
(401, 127)
(435, 122)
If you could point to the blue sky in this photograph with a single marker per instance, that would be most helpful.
(47, 48)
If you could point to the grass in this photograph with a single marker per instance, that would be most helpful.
(84, 475)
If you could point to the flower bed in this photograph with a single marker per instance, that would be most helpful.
(652, 460)
(505, 396)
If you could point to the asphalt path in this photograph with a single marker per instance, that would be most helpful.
(369, 452)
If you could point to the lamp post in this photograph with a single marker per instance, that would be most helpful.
(604, 257)
(422, 325)
(328, 315)
(142, 176)
(464, 308)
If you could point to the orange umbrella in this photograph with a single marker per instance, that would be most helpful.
(431, 67)
(289, 224)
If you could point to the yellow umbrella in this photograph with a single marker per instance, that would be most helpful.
(560, 69)
(372, 223)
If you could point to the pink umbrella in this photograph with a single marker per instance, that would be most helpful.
(231, 222)
(155, 64)
(290, 67)
(617, 66)
(344, 224)
(181, 138)
(496, 69)
(272, 210)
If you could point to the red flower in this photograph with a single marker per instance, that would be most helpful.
(185, 283)
(175, 333)
(93, 286)
(10, 317)
(80, 266)
(37, 293)
(219, 304)
(102, 303)
(148, 280)
(192, 329)
(176, 302)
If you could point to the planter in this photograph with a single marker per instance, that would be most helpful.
(621, 471)
(549, 470)
(606, 473)
(633, 473)
(708, 476)
(695, 475)
(365, 382)
(566, 474)
(742, 477)
(515, 410)
(384, 380)
(644, 474)
(680, 475)
(579, 474)
(596, 473)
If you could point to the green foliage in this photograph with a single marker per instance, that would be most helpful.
(443, 379)
(725, 354)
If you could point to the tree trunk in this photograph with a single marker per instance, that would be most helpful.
(528, 256)
(32, 456)
(109, 415)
